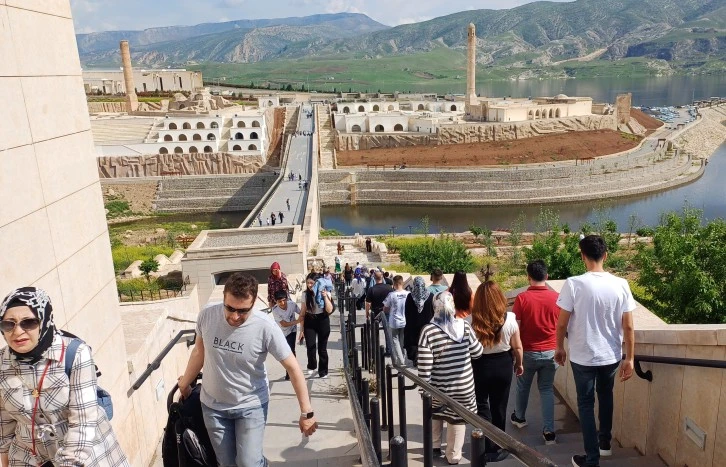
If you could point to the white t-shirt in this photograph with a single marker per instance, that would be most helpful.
(286, 315)
(359, 287)
(508, 329)
(396, 303)
(596, 301)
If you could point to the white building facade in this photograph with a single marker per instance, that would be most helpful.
(170, 80)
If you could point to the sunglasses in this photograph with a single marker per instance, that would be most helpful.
(27, 324)
(241, 311)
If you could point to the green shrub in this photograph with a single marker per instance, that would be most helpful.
(683, 270)
(118, 208)
(396, 244)
(330, 233)
(446, 253)
(127, 286)
(124, 255)
(562, 257)
(645, 232)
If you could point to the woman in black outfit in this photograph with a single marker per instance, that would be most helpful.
(419, 311)
(348, 274)
(316, 324)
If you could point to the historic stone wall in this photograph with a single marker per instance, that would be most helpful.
(177, 164)
(475, 133)
(113, 107)
(623, 102)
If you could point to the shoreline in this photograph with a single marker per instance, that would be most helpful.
(704, 139)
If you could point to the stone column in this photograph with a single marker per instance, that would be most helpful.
(471, 98)
(132, 102)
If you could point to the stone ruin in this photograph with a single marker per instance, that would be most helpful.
(176, 165)
(200, 101)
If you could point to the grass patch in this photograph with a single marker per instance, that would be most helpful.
(118, 208)
(124, 255)
(331, 233)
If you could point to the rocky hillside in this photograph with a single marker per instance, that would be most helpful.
(233, 41)
(532, 35)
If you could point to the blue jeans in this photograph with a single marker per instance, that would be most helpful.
(588, 381)
(543, 365)
(237, 435)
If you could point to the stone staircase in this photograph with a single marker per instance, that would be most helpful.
(291, 119)
(212, 193)
(327, 137)
(121, 130)
(327, 250)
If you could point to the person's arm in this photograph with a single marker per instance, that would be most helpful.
(7, 434)
(562, 322)
(516, 343)
(303, 312)
(4, 459)
(328, 303)
(424, 359)
(84, 412)
(307, 425)
(626, 369)
(368, 304)
(194, 366)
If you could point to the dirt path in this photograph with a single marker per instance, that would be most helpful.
(559, 147)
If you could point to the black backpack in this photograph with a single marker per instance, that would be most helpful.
(186, 441)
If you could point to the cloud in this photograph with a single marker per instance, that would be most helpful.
(230, 3)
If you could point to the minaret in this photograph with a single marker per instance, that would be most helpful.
(471, 98)
(132, 102)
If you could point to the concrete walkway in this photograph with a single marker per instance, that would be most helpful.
(299, 162)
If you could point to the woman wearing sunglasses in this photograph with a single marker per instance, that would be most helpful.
(47, 418)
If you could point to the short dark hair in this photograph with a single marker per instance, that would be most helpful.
(241, 285)
(537, 270)
(386, 274)
(397, 280)
(593, 247)
(280, 294)
(437, 274)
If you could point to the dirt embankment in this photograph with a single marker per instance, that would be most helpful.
(549, 148)
(140, 196)
(649, 123)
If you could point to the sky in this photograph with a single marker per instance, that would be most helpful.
(107, 15)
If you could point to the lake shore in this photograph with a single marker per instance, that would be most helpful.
(704, 139)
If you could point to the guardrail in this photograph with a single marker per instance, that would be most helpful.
(156, 363)
(697, 362)
(373, 359)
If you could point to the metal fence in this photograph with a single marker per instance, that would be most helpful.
(366, 414)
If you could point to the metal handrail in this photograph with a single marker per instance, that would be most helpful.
(363, 436)
(697, 362)
(156, 363)
(519, 450)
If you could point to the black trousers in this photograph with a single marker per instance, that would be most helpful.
(317, 328)
(492, 380)
(291, 338)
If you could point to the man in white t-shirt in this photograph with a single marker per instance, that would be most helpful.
(394, 306)
(286, 314)
(595, 315)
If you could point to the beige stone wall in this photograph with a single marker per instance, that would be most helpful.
(623, 102)
(53, 231)
(97, 107)
(475, 133)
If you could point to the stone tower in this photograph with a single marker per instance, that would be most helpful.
(132, 102)
(471, 98)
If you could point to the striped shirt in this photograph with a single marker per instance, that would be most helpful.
(446, 365)
(83, 433)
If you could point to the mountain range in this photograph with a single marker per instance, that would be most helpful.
(685, 33)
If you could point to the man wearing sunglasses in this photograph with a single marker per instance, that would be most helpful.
(232, 344)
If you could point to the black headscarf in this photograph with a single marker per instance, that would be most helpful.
(39, 303)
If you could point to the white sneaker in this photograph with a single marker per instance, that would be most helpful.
(325, 376)
(310, 373)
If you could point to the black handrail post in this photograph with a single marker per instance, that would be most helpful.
(380, 359)
(365, 401)
(381, 388)
(398, 452)
(428, 439)
(376, 427)
(376, 341)
(358, 383)
(389, 397)
(402, 406)
(478, 447)
(364, 345)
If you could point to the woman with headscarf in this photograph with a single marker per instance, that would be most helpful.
(358, 289)
(463, 297)
(315, 320)
(46, 417)
(497, 331)
(445, 349)
(419, 311)
(276, 281)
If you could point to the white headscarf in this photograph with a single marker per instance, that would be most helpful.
(445, 316)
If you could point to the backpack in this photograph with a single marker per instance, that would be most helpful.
(102, 396)
(186, 441)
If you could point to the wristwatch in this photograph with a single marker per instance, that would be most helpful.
(307, 415)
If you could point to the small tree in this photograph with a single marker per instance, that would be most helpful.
(149, 266)
(633, 224)
(475, 231)
(488, 241)
(515, 238)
